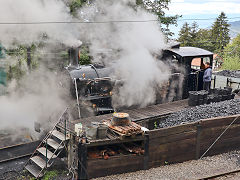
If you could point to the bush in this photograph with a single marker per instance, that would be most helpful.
(84, 58)
(231, 63)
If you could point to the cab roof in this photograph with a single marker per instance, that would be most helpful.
(190, 52)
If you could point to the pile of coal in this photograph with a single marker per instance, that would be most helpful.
(197, 98)
(205, 97)
(228, 73)
(224, 108)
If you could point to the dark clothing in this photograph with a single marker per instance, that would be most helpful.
(207, 85)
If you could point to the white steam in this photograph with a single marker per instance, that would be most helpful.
(37, 98)
(34, 11)
(133, 44)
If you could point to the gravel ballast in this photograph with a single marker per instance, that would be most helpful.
(224, 108)
(228, 73)
(195, 169)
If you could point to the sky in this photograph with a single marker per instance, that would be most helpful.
(203, 9)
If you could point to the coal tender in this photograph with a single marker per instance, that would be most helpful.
(215, 95)
(92, 86)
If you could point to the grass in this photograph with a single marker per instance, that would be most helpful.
(50, 175)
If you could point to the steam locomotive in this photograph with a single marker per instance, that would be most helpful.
(93, 85)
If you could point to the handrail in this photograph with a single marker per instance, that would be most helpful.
(46, 137)
(68, 130)
(76, 89)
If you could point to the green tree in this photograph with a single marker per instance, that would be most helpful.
(231, 63)
(2, 51)
(157, 7)
(203, 40)
(84, 58)
(233, 48)
(220, 33)
(185, 35)
(231, 55)
(74, 5)
(194, 33)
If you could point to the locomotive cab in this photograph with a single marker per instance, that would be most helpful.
(185, 58)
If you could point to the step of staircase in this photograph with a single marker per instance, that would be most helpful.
(42, 150)
(34, 170)
(54, 144)
(39, 161)
(59, 135)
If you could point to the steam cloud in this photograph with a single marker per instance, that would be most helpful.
(133, 45)
(37, 98)
(28, 11)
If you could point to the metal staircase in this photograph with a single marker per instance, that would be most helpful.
(49, 149)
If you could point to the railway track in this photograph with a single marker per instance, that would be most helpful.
(221, 174)
(17, 151)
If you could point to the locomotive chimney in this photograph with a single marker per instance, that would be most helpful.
(73, 56)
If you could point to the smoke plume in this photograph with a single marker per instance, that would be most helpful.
(127, 47)
(35, 98)
(132, 45)
(37, 11)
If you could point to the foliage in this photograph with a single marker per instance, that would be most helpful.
(50, 175)
(157, 7)
(214, 39)
(220, 32)
(74, 5)
(194, 33)
(203, 40)
(2, 51)
(155, 125)
(185, 35)
(188, 35)
(231, 63)
(84, 58)
(19, 54)
(231, 55)
(233, 48)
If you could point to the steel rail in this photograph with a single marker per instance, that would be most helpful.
(220, 174)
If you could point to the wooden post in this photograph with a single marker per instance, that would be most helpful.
(199, 129)
(82, 161)
(146, 152)
(214, 82)
(227, 81)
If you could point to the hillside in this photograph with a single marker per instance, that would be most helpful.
(234, 29)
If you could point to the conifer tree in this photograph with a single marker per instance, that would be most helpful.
(220, 32)
(185, 35)
(194, 34)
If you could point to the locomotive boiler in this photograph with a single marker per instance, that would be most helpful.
(92, 85)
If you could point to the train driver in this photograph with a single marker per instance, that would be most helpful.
(207, 77)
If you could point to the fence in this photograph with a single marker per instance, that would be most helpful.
(222, 81)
